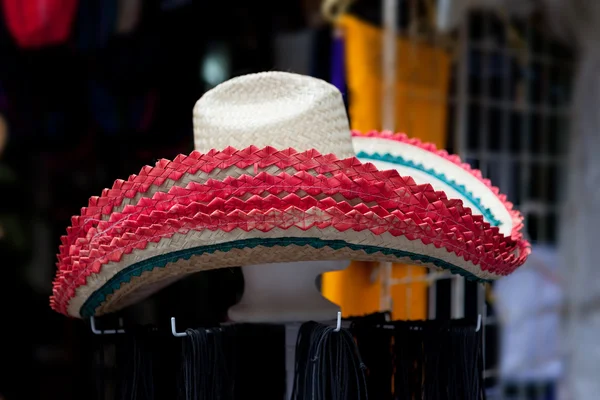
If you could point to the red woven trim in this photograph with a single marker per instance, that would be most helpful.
(225, 196)
(88, 258)
(517, 217)
(221, 205)
(419, 196)
(260, 159)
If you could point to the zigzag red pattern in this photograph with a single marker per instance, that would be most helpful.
(517, 217)
(401, 208)
(252, 156)
(88, 258)
(151, 225)
(218, 196)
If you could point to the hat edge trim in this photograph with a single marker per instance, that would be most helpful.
(125, 275)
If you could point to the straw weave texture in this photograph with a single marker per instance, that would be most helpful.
(274, 166)
(276, 109)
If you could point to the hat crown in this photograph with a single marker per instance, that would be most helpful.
(277, 109)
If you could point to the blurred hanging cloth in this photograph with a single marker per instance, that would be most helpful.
(422, 80)
(242, 361)
(429, 360)
(39, 23)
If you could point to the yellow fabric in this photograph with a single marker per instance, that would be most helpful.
(422, 80)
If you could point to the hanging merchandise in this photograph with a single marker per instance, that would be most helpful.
(137, 370)
(146, 363)
(375, 347)
(223, 362)
(139, 363)
(328, 365)
(206, 374)
(373, 358)
(430, 360)
(276, 200)
(39, 23)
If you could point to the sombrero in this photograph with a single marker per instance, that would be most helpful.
(274, 178)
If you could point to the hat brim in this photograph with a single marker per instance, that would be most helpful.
(279, 206)
(445, 172)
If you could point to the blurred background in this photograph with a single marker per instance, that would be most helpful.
(91, 91)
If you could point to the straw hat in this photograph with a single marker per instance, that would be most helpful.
(273, 179)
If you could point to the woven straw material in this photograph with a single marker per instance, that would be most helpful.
(430, 164)
(152, 180)
(198, 167)
(357, 202)
(149, 282)
(293, 192)
(276, 109)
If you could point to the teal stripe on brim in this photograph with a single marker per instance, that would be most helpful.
(486, 212)
(124, 276)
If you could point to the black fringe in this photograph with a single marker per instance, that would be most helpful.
(428, 360)
(205, 373)
(328, 365)
(424, 360)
